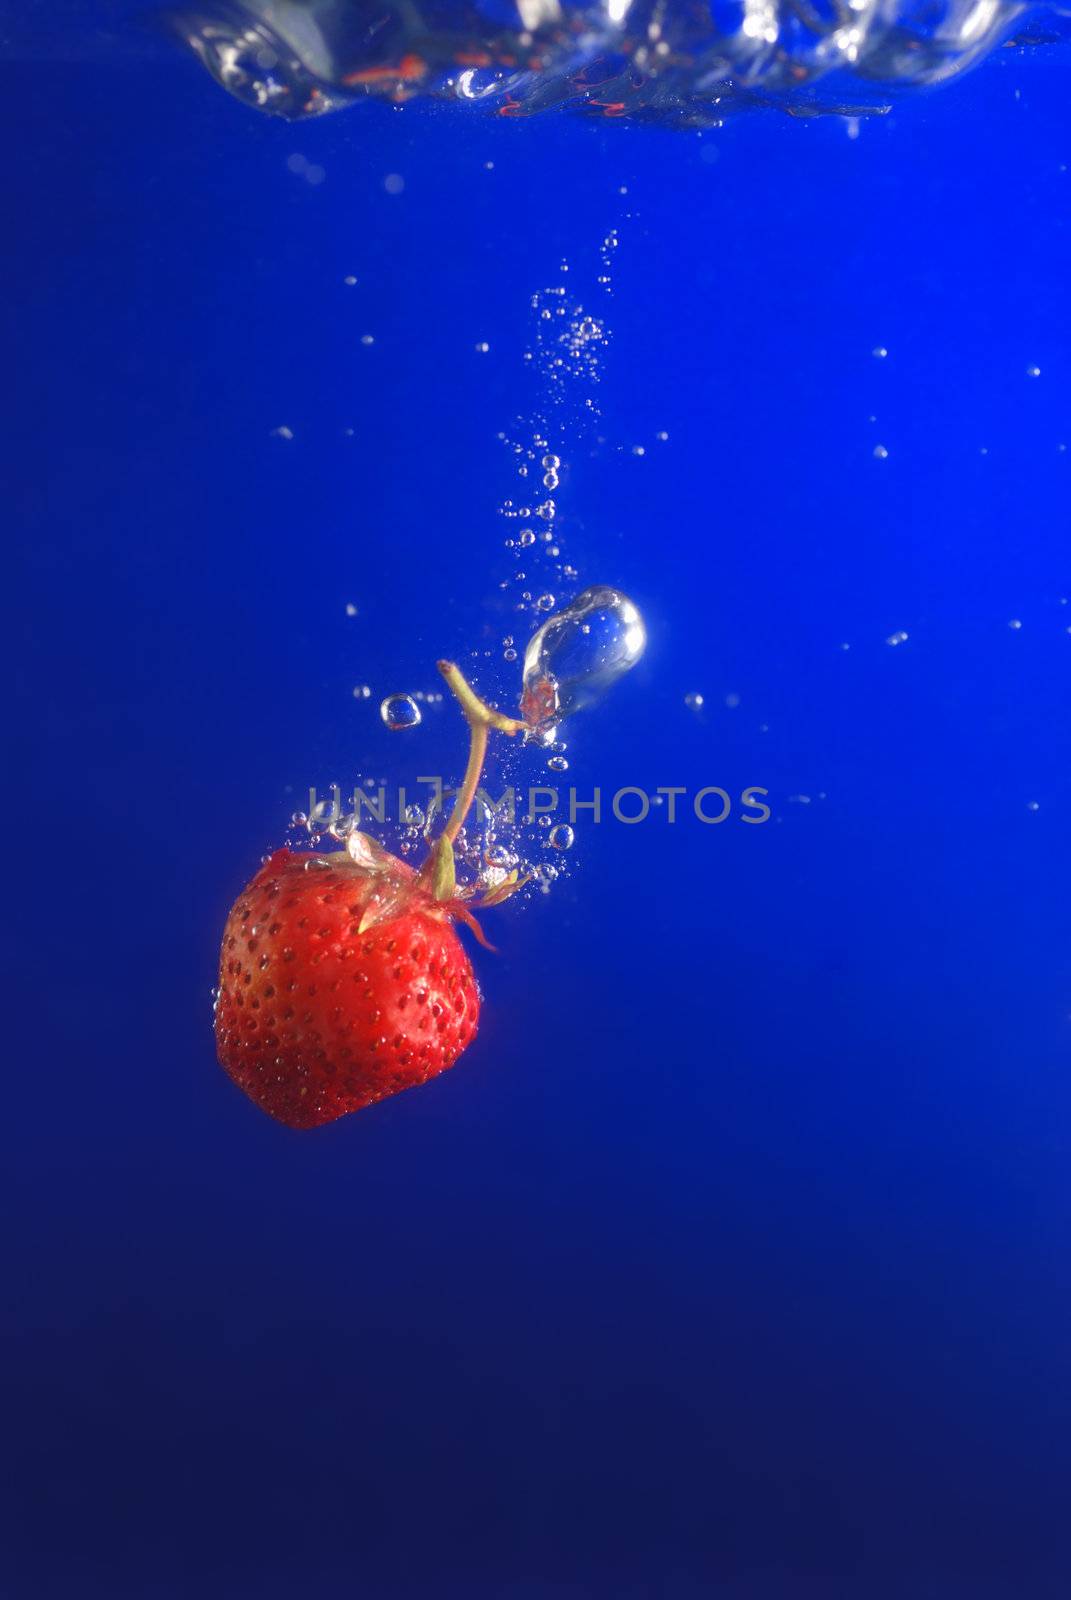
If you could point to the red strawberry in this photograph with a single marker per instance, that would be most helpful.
(341, 981)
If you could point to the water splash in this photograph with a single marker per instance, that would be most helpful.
(577, 655)
(668, 62)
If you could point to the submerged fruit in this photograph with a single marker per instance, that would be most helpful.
(341, 978)
(341, 981)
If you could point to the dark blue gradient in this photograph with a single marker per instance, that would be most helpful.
(732, 1260)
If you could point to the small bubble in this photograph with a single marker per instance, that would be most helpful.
(545, 602)
(1033, 372)
(399, 711)
(879, 352)
(361, 691)
(526, 537)
(561, 837)
(558, 764)
(367, 338)
(693, 701)
(880, 453)
(509, 655)
(351, 609)
(483, 347)
(282, 433)
(662, 435)
(638, 450)
(551, 462)
(394, 183)
(1015, 623)
(732, 701)
(1032, 805)
(350, 281)
(899, 637)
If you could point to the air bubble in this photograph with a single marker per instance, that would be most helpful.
(577, 654)
(561, 837)
(400, 711)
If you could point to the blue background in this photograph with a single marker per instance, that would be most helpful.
(732, 1259)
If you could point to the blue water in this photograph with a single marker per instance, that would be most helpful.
(731, 1259)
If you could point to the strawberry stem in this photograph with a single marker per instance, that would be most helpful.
(480, 718)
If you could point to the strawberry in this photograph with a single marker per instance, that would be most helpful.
(341, 978)
(341, 981)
